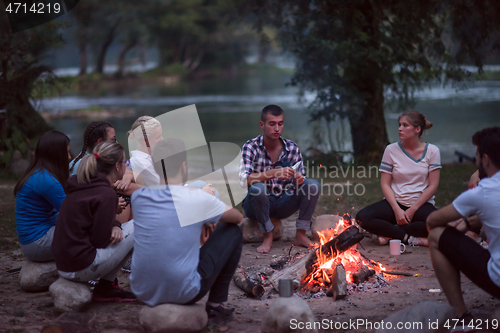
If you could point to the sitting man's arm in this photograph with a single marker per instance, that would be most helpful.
(443, 216)
(231, 215)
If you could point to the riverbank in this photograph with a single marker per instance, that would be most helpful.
(29, 312)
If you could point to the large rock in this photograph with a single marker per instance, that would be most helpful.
(431, 315)
(173, 318)
(323, 222)
(69, 295)
(284, 315)
(252, 234)
(38, 276)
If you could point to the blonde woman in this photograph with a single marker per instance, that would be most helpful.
(147, 132)
(409, 179)
(89, 242)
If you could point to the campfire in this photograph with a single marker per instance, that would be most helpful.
(334, 268)
(337, 260)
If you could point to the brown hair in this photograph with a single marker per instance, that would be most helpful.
(103, 159)
(416, 119)
(51, 154)
(95, 130)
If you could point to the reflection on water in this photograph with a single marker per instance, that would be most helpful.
(229, 110)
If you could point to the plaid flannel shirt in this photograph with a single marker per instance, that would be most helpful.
(255, 158)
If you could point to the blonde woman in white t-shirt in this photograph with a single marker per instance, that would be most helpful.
(410, 172)
(147, 132)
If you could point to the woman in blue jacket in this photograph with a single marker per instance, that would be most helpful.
(39, 195)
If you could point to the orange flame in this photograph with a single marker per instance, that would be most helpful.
(350, 259)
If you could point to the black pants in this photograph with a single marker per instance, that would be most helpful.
(379, 219)
(219, 257)
(468, 257)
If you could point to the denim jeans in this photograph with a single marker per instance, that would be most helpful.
(219, 258)
(261, 206)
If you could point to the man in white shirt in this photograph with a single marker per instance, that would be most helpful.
(168, 265)
(453, 252)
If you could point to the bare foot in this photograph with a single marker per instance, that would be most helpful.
(301, 239)
(267, 243)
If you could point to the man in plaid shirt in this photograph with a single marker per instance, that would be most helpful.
(272, 169)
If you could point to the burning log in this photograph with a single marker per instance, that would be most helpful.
(241, 281)
(397, 273)
(362, 275)
(338, 287)
(349, 237)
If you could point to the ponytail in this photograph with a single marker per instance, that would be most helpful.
(103, 159)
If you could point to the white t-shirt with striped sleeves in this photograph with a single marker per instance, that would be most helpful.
(410, 177)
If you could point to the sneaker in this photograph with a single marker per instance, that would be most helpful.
(417, 241)
(218, 315)
(107, 291)
(128, 266)
(383, 240)
(463, 324)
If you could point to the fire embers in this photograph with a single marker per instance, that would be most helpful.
(337, 263)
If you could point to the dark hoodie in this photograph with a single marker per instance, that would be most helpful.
(84, 224)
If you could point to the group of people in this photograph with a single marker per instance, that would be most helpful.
(91, 214)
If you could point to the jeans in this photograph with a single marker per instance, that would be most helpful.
(219, 258)
(379, 219)
(261, 206)
(39, 250)
(108, 261)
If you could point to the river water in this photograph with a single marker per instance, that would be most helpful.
(229, 111)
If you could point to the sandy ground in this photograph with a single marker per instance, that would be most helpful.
(29, 312)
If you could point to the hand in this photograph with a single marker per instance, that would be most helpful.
(462, 227)
(122, 184)
(400, 217)
(298, 178)
(116, 235)
(121, 205)
(474, 180)
(409, 214)
(284, 173)
(206, 231)
(209, 189)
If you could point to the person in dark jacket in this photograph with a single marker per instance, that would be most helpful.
(89, 243)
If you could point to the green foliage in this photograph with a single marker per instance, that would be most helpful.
(357, 54)
(20, 54)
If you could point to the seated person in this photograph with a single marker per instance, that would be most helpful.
(89, 243)
(409, 179)
(168, 221)
(453, 252)
(39, 195)
(95, 133)
(275, 189)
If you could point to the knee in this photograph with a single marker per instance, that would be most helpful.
(258, 191)
(311, 187)
(234, 232)
(434, 236)
(362, 216)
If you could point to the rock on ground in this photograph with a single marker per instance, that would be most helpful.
(278, 318)
(69, 295)
(323, 222)
(38, 276)
(251, 231)
(425, 313)
(166, 318)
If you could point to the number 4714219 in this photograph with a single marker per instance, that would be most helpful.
(35, 8)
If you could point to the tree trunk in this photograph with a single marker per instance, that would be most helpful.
(83, 54)
(104, 49)
(368, 130)
(121, 56)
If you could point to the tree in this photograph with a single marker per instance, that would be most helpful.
(355, 54)
(20, 56)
